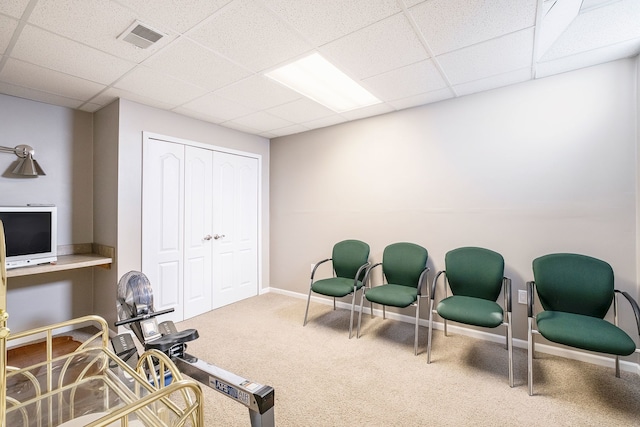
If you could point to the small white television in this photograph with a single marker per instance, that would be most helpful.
(31, 234)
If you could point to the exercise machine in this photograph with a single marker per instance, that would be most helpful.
(136, 312)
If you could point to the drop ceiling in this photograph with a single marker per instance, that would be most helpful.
(211, 62)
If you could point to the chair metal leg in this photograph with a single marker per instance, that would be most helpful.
(617, 366)
(384, 312)
(530, 356)
(510, 348)
(307, 310)
(429, 336)
(334, 303)
(353, 306)
(415, 340)
(360, 314)
(445, 328)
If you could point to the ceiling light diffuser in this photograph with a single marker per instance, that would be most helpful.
(318, 79)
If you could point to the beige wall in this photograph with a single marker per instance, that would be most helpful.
(131, 120)
(62, 139)
(540, 167)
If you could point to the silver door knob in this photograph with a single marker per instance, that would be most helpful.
(218, 236)
(207, 237)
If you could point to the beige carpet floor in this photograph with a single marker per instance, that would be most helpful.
(321, 378)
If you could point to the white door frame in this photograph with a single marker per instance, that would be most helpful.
(148, 136)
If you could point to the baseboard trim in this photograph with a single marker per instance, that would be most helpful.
(595, 359)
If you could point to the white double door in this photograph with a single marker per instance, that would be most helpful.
(199, 227)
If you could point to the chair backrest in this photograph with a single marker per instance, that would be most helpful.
(475, 272)
(348, 256)
(574, 283)
(402, 263)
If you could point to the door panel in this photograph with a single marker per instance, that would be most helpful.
(199, 226)
(197, 231)
(162, 213)
(235, 216)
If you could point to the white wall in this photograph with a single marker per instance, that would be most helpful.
(131, 119)
(62, 139)
(544, 166)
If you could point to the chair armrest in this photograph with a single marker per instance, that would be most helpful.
(634, 306)
(530, 287)
(506, 284)
(422, 281)
(366, 275)
(363, 268)
(315, 267)
(432, 294)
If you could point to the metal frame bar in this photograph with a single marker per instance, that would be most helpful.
(364, 267)
(507, 318)
(421, 283)
(532, 331)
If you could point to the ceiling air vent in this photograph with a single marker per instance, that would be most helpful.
(141, 35)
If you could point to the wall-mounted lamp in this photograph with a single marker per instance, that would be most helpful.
(27, 165)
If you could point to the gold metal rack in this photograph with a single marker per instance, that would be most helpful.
(90, 386)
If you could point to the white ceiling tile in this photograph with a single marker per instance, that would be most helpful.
(193, 63)
(27, 75)
(248, 34)
(90, 107)
(96, 23)
(7, 27)
(588, 58)
(325, 121)
(493, 82)
(378, 48)
(497, 56)
(453, 24)
(111, 94)
(36, 95)
(218, 107)
(13, 8)
(410, 3)
(423, 98)
(407, 81)
(289, 130)
(262, 121)
(372, 110)
(599, 27)
(327, 20)
(589, 4)
(258, 92)
(179, 15)
(301, 110)
(154, 85)
(51, 51)
(197, 115)
(237, 126)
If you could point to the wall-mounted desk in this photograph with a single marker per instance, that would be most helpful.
(70, 258)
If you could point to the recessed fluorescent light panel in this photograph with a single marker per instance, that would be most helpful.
(318, 79)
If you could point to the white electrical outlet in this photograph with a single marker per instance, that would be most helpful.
(522, 297)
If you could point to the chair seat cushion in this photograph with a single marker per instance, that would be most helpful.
(334, 286)
(393, 295)
(471, 311)
(585, 332)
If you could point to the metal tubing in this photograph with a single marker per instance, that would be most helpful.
(258, 398)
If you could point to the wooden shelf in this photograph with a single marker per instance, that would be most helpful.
(103, 258)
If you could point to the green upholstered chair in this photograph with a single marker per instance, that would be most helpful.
(404, 265)
(476, 278)
(576, 292)
(350, 259)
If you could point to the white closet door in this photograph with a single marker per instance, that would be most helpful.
(162, 223)
(197, 231)
(235, 226)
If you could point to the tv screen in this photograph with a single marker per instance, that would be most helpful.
(30, 235)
